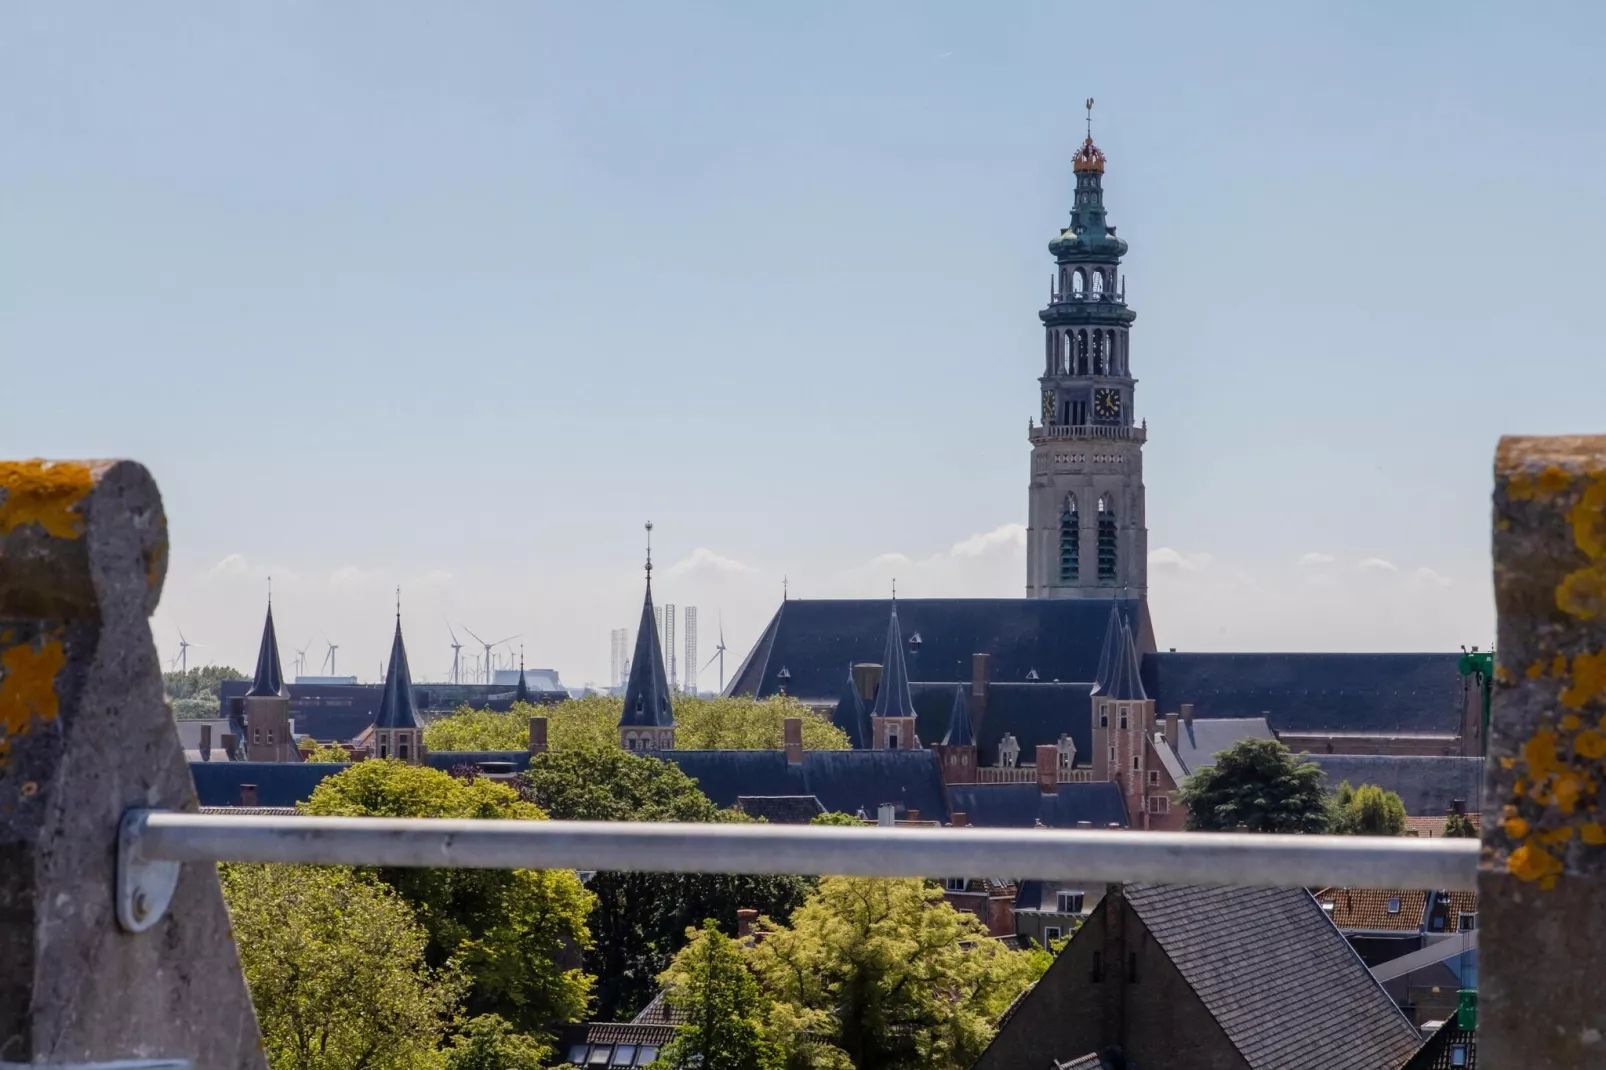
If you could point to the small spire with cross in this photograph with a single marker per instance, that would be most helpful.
(398, 604)
(1090, 117)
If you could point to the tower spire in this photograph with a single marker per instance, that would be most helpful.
(1090, 118)
(649, 557)
(647, 723)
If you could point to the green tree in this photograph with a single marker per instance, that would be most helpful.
(1460, 826)
(193, 694)
(723, 1004)
(336, 967)
(489, 1042)
(517, 934)
(1367, 811)
(836, 817)
(313, 751)
(1259, 786)
(640, 919)
(896, 977)
(592, 723)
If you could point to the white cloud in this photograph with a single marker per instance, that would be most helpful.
(703, 561)
(1426, 577)
(1167, 559)
(232, 565)
(1314, 558)
(1004, 536)
(1377, 564)
(351, 576)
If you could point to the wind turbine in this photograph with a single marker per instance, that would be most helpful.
(489, 661)
(301, 659)
(183, 658)
(329, 658)
(719, 655)
(457, 654)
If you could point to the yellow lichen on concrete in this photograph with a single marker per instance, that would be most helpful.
(44, 493)
(28, 688)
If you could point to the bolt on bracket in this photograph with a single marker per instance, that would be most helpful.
(144, 886)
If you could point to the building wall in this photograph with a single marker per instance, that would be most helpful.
(1157, 1020)
(1088, 468)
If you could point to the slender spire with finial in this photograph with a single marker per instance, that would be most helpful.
(785, 589)
(649, 555)
(894, 588)
(1088, 157)
(398, 604)
(1090, 118)
(270, 592)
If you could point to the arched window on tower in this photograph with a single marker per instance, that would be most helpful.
(1067, 344)
(1078, 282)
(1118, 352)
(1098, 283)
(1081, 352)
(1099, 365)
(1106, 538)
(1070, 541)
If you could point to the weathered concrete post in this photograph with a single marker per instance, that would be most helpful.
(1543, 886)
(84, 735)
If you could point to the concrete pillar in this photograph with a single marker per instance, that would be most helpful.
(1543, 886)
(85, 734)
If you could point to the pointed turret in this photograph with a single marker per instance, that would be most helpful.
(397, 708)
(522, 692)
(960, 732)
(647, 721)
(892, 722)
(1112, 643)
(269, 679)
(849, 714)
(1125, 685)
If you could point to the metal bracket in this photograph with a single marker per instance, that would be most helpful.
(144, 887)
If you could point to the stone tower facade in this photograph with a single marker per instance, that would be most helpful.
(1086, 534)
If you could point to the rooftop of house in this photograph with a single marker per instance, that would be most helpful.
(1426, 785)
(1375, 909)
(1431, 827)
(844, 781)
(1199, 743)
(1451, 1047)
(1026, 806)
(781, 809)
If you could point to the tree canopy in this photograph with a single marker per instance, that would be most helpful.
(336, 967)
(1460, 826)
(1367, 811)
(894, 976)
(640, 919)
(592, 722)
(518, 934)
(489, 1042)
(724, 1007)
(1259, 786)
(194, 693)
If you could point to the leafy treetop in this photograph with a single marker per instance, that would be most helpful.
(1257, 785)
(1367, 811)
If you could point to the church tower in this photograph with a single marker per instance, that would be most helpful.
(1086, 533)
(647, 722)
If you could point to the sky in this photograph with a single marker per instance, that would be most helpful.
(455, 297)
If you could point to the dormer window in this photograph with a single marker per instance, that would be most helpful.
(1393, 906)
(1070, 902)
(955, 884)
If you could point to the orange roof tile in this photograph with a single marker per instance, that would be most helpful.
(1368, 908)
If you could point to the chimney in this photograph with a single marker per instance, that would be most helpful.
(1187, 713)
(911, 815)
(537, 735)
(206, 743)
(745, 918)
(248, 794)
(1048, 768)
(958, 819)
(1458, 806)
(886, 815)
(1171, 730)
(229, 743)
(980, 675)
(794, 740)
(867, 680)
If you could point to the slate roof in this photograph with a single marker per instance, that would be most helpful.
(1426, 785)
(268, 681)
(646, 698)
(1313, 692)
(781, 809)
(845, 781)
(397, 707)
(814, 638)
(1279, 979)
(850, 715)
(892, 695)
(278, 783)
(659, 1012)
(447, 760)
(1438, 1051)
(1367, 909)
(960, 732)
(1023, 805)
(1199, 743)
(1032, 713)
(1090, 1061)
(1124, 682)
(250, 811)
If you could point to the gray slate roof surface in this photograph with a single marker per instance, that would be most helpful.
(1023, 805)
(278, 783)
(815, 639)
(845, 781)
(1426, 785)
(1032, 713)
(1313, 692)
(781, 809)
(1199, 743)
(1091, 1061)
(1281, 981)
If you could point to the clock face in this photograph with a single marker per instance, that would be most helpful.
(1107, 404)
(1048, 407)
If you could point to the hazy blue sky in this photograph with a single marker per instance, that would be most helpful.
(456, 296)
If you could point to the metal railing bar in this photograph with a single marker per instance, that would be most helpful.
(1044, 854)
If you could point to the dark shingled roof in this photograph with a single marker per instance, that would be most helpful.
(278, 783)
(815, 638)
(1124, 682)
(892, 696)
(447, 760)
(1023, 805)
(1313, 692)
(647, 691)
(1199, 743)
(1090, 1061)
(850, 716)
(959, 732)
(269, 679)
(1438, 1052)
(397, 707)
(781, 809)
(1032, 713)
(1426, 785)
(845, 781)
(1280, 980)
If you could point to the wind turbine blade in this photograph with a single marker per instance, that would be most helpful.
(710, 661)
(476, 638)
